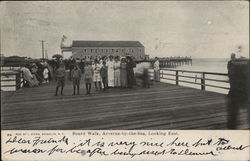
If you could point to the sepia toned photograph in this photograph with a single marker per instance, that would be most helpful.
(128, 65)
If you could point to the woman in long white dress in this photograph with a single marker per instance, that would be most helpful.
(111, 77)
(117, 74)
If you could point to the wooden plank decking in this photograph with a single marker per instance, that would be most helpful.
(163, 106)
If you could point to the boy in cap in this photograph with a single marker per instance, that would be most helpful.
(97, 75)
(60, 76)
(76, 77)
(88, 73)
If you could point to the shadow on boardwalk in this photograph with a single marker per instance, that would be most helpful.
(163, 106)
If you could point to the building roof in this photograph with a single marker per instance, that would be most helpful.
(106, 44)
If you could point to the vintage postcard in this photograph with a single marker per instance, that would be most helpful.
(125, 80)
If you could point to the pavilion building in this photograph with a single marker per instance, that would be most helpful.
(85, 50)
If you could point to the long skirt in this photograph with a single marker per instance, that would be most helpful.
(124, 82)
(117, 76)
(131, 78)
(111, 77)
(157, 75)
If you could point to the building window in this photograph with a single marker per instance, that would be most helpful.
(96, 50)
(106, 50)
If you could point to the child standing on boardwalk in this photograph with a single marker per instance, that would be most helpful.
(46, 74)
(60, 76)
(76, 77)
(88, 73)
(97, 75)
(104, 75)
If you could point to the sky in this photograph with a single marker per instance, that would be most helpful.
(200, 29)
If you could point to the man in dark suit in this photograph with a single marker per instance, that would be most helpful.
(238, 96)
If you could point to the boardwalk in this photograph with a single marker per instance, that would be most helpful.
(163, 106)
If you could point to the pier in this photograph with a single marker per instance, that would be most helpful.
(170, 62)
(173, 62)
(163, 106)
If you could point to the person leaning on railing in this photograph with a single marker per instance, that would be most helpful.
(238, 96)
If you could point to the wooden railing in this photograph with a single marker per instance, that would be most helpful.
(203, 78)
(18, 79)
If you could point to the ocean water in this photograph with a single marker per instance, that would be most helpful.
(218, 65)
(215, 65)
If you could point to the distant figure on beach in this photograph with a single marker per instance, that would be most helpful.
(88, 76)
(157, 70)
(60, 77)
(76, 78)
(238, 96)
(104, 75)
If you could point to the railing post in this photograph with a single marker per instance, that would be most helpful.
(17, 81)
(203, 82)
(176, 78)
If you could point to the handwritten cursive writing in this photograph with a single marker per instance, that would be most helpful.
(99, 147)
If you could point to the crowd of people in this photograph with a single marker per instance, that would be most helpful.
(35, 74)
(104, 73)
